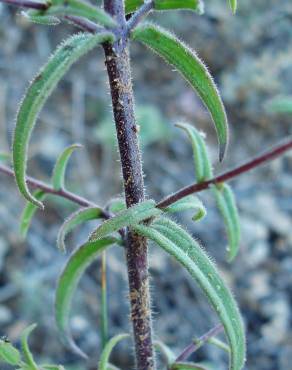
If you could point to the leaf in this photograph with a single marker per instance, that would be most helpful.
(29, 211)
(37, 94)
(68, 281)
(58, 177)
(5, 157)
(190, 202)
(227, 206)
(195, 5)
(178, 243)
(77, 8)
(28, 357)
(203, 166)
(187, 366)
(218, 343)
(9, 354)
(77, 218)
(165, 351)
(52, 367)
(117, 205)
(128, 217)
(233, 5)
(280, 104)
(81, 9)
(192, 69)
(39, 17)
(104, 358)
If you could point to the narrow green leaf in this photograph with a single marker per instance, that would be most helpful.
(29, 211)
(58, 177)
(9, 354)
(80, 9)
(36, 16)
(28, 357)
(218, 343)
(195, 5)
(166, 352)
(5, 157)
(233, 5)
(52, 367)
(190, 202)
(128, 217)
(203, 166)
(77, 218)
(280, 104)
(103, 302)
(117, 205)
(37, 94)
(104, 358)
(178, 243)
(192, 69)
(187, 366)
(68, 281)
(227, 206)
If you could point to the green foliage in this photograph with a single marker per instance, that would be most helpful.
(28, 357)
(77, 218)
(280, 104)
(9, 354)
(203, 166)
(104, 358)
(61, 8)
(192, 69)
(187, 366)
(195, 5)
(227, 206)
(223, 193)
(29, 211)
(37, 94)
(68, 281)
(58, 177)
(130, 216)
(179, 244)
(190, 202)
(233, 5)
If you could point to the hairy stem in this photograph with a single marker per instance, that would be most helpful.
(118, 67)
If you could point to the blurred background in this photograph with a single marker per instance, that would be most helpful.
(250, 57)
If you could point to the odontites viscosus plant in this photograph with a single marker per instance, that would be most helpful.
(132, 221)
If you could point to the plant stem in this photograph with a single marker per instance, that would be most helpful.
(237, 171)
(30, 4)
(193, 347)
(104, 306)
(118, 67)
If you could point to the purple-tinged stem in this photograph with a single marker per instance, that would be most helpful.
(30, 4)
(193, 347)
(253, 163)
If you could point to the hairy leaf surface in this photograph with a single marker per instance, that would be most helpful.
(58, 177)
(128, 217)
(178, 243)
(39, 17)
(68, 281)
(190, 202)
(105, 355)
(29, 211)
(227, 206)
(192, 69)
(77, 218)
(203, 166)
(195, 5)
(37, 94)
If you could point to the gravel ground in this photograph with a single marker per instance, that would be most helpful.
(250, 58)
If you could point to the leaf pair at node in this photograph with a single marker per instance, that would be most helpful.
(223, 193)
